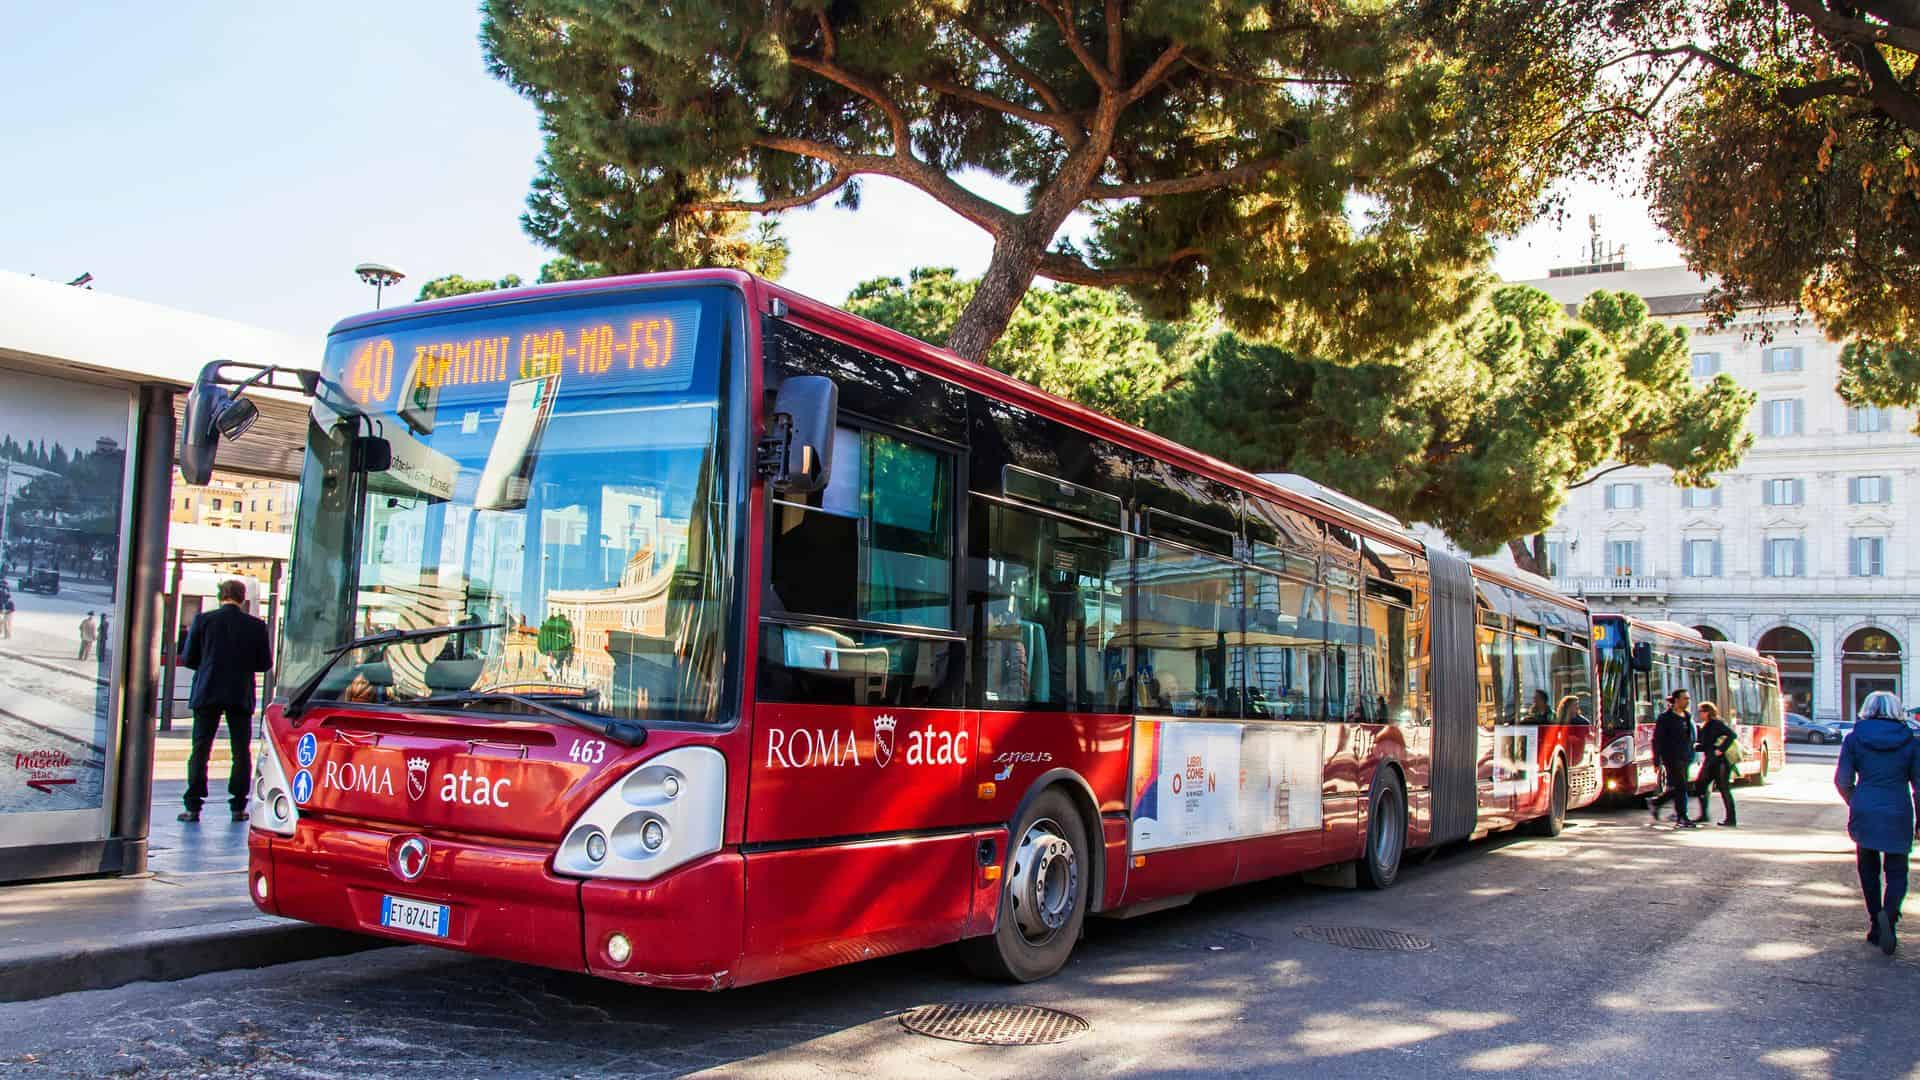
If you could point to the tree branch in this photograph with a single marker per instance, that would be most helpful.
(1264, 80)
(1693, 51)
(1066, 268)
(1839, 86)
(1012, 63)
(1599, 474)
(1833, 25)
(1065, 125)
(767, 206)
(1883, 87)
(984, 213)
(1181, 185)
(832, 72)
(1156, 71)
(1061, 11)
(1116, 46)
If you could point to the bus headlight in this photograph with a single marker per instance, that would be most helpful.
(667, 812)
(1618, 753)
(273, 808)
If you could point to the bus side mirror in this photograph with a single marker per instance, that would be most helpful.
(796, 454)
(1643, 656)
(211, 412)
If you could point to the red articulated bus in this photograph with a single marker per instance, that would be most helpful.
(686, 631)
(1641, 662)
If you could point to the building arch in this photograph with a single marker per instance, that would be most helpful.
(1710, 632)
(1870, 659)
(1796, 650)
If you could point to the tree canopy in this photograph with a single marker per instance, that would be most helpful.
(1480, 430)
(1785, 146)
(1322, 174)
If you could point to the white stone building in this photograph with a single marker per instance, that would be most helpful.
(1801, 551)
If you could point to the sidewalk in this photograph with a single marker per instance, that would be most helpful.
(189, 915)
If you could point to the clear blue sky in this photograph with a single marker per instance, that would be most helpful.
(240, 159)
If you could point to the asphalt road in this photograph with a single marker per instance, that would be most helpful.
(1616, 950)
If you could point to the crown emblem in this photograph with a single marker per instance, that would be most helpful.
(416, 763)
(884, 722)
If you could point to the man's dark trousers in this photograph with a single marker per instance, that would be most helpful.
(1678, 785)
(206, 724)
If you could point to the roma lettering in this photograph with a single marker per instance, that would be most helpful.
(354, 776)
(804, 747)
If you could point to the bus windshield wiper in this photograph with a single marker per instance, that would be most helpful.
(624, 732)
(297, 701)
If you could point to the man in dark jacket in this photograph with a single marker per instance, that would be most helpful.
(1673, 749)
(226, 648)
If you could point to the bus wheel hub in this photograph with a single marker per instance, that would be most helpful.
(1045, 877)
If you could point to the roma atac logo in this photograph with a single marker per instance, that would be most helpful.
(416, 778)
(883, 739)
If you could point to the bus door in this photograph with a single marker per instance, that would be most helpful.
(1495, 655)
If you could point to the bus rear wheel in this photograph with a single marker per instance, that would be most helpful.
(1556, 819)
(1043, 900)
(1766, 766)
(1386, 832)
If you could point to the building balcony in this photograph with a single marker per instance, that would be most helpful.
(1618, 587)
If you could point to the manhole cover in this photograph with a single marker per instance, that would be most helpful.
(994, 1025)
(1364, 937)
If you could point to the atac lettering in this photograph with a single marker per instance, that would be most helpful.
(356, 776)
(466, 789)
(804, 747)
(937, 748)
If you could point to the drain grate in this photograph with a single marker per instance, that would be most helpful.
(994, 1025)
(1364, 937)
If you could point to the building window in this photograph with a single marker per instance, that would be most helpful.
(216, 504)
(1706, 365)
(1624, 557)
(1784, 416)
(1866, 556)
(1784, 358)
(269, 505)
(1556, 558)
(1623, 496)
(1866, 419)
(1700, 558)
(1700, 498)
(1786, 557)
(1784, 492)
(1868, 489)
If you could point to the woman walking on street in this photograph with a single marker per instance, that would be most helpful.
(1879, 779)
(1716, 772)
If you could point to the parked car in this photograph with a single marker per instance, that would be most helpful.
(1819, 732)
(40, 581)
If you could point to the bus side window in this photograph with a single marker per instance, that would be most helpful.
(1053, 608)
(1572, 690)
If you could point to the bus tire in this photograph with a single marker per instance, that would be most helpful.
(1043, 899)
(1766, 766)
(1386, 832)
(1556, 819)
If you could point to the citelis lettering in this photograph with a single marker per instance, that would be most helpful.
(470, 790)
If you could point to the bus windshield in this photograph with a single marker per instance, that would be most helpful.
(558, 468)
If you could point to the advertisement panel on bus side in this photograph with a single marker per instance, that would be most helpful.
(1198, 782)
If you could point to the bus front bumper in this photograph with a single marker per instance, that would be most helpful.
(681, 931)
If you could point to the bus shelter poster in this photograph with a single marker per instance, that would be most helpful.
(63, 463)
(1195, 782)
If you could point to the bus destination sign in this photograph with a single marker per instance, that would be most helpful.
(628, 349)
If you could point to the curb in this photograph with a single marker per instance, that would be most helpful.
(177, 953)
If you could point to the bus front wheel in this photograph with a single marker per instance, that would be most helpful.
(1766, 766)
(1386, 831)
(1043, 900)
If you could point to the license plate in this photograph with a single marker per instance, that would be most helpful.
(413, 916)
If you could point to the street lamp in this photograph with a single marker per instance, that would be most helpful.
(378, 275)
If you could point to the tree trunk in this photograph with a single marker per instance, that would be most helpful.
(1522, 557)
(1015, 258)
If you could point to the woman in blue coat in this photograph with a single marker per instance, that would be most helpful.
(1879, 779)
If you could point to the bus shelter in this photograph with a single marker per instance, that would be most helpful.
(90, 389)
